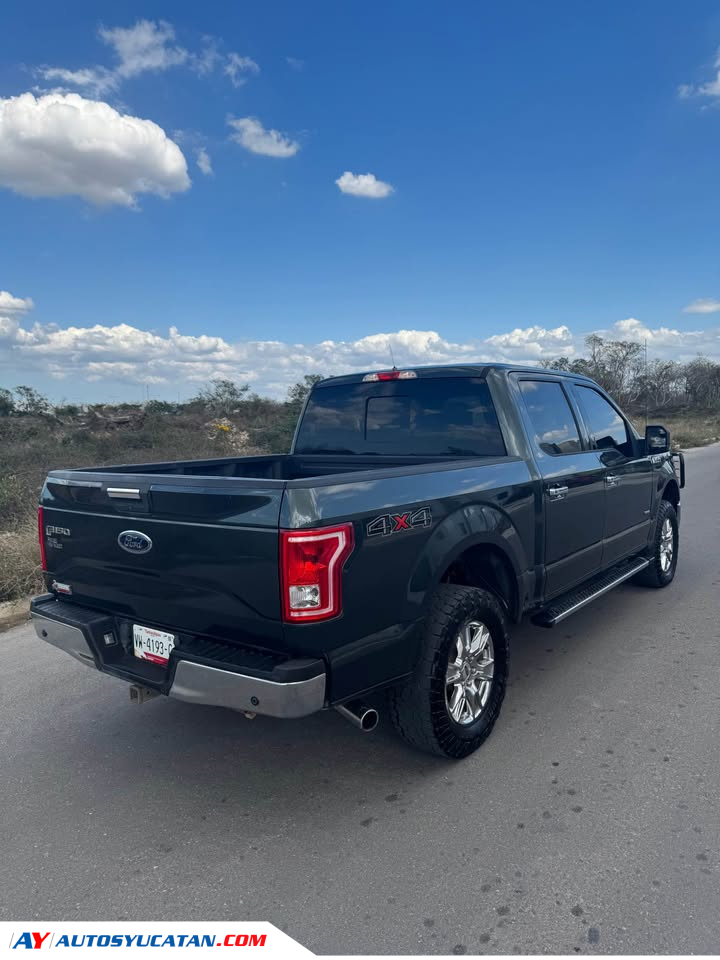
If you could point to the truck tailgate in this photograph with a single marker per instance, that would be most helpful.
(206, 560)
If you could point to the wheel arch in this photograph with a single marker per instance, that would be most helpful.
(475, 546)
(671, 493)
(486, 565)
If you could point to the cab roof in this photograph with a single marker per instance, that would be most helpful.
(479, 370)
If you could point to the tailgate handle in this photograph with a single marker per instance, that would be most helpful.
(123, 493)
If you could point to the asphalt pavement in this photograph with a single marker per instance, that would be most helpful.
(588, 823)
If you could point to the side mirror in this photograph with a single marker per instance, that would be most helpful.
(657, 439)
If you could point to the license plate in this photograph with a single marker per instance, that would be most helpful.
(152, 645)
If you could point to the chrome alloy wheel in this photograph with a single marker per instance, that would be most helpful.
(470, 671)
(667, 545)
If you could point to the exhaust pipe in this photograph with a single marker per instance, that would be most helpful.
(365, 718)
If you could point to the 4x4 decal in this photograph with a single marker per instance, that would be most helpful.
(396, 522)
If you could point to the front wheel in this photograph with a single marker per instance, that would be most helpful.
(451, 702)
(663, 559)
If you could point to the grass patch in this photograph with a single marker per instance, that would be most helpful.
(697, 430)
(20, 562)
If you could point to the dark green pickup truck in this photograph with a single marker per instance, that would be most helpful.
(418, 515)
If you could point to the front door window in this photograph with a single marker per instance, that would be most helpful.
(608, 430)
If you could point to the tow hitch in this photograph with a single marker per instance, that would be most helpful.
(140, 694)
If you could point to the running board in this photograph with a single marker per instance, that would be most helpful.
(569, 603)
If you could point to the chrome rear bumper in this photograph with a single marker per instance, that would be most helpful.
(198, 683)
(79, 632)
(64, 637)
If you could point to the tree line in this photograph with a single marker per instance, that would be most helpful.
(221, 398)
(620, 367)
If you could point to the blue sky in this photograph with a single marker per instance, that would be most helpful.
(547, 168)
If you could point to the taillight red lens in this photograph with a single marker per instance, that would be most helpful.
(41, 539)
(311, 563)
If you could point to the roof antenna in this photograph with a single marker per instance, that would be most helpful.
(392, 358)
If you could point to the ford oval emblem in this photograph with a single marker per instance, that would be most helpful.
(134, 542)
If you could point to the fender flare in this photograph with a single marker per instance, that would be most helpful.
(470, 526)
(671, 484)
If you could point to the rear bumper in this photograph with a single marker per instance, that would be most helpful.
(289, 689)
(202, 683)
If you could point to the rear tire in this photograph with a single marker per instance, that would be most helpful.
(664, 556)
(451, 702)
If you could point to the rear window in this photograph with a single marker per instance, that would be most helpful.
(451, 417)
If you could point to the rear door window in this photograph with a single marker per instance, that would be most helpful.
(554, 428)
(443, 417)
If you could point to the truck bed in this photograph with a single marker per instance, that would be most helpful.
(272, 467)
(214, 526)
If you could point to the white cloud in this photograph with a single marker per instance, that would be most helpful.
(9, 327)
(703, 305)
(665, 341)
(65, 145)
(125, 355)
(710, 88)
(208, 58)
(11, 304)
(535, 342)
(295, 64)
(364, 185)
(96, 80)
(148, 45)
(239, 69)
(251, 135)
(204, 162)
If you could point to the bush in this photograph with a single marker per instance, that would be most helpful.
(7, 403)
(20, 562)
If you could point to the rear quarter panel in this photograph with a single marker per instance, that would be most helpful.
(388, 579)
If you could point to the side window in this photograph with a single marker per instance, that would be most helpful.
(607, 428)
(554, 428)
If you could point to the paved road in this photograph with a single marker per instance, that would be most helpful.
(588, 823)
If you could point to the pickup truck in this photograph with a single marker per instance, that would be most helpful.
(419, 514)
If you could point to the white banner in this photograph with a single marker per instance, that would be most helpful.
(196, 939)
(260, 940)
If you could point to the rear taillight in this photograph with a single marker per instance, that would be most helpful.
(41, 538)
(311, 563)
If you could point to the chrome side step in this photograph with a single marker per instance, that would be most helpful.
(562, 607)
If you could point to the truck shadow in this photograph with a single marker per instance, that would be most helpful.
(183, 798)
(197, 760)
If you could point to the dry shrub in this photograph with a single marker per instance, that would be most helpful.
(20, 562)
(693, 430)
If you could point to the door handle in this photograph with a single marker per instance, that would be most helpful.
(557, 491)
(612, 480)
